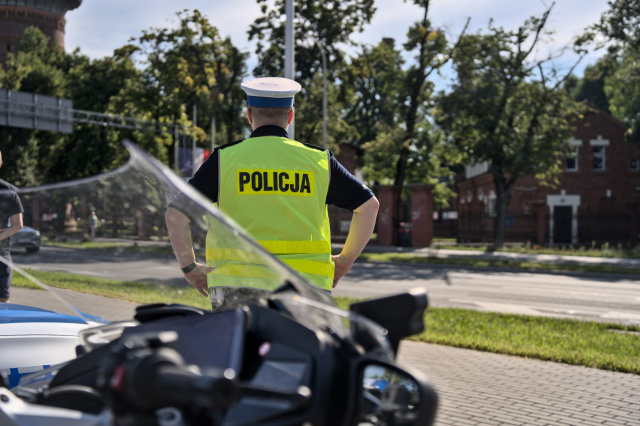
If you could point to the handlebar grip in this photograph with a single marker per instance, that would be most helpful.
(161, 379)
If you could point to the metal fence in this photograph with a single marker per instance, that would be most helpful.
(600, 227)
(479, 226)
(340, 220)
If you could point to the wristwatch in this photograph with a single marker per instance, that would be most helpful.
(189, 268)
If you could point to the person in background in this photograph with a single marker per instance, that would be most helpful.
(93, 222)
(11, 212)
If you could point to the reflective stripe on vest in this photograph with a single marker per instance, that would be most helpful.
(275, 188)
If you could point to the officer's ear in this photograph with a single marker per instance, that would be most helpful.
(249, 115)
(290, 119)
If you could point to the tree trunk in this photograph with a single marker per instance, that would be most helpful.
(503, 197)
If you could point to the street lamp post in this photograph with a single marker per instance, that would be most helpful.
(324, 92)
(289, 60)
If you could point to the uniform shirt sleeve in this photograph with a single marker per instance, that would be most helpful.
(206, 178)
(345, 190)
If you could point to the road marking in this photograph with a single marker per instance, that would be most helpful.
(621, 315)
(507, 308)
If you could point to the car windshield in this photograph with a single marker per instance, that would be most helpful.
(105, 248)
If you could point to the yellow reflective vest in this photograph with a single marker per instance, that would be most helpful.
(276, 189)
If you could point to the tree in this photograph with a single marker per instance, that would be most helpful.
(591, 87)
(393, 109)
(187, 66)
(508, 109)
(37, 68)
(620, 30)
(623, 92)
(330, 23)
(620, 24)
(376, 79)
(432, 52)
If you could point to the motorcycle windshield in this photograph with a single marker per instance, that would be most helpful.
(104, 249)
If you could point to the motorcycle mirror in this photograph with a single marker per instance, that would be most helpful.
(402, 315)
(392, 396)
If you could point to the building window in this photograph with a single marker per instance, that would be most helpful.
(634, 165)
(571, 161)
(599, 157)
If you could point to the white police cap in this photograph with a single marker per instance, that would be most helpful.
(270, 91)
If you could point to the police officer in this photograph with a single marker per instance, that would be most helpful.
(277, 189)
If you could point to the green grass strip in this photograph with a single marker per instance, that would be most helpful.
(111, 246)
(605, 346)
(131, 291)
(497, 263)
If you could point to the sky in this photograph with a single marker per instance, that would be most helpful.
(98, 27)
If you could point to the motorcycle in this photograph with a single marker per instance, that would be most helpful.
(277, 353)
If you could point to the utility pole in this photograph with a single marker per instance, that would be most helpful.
(193, 143)
(324, 92)
(289, 61)
(213, 132)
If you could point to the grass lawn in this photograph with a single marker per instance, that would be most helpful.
(497, 263)
(600, 345)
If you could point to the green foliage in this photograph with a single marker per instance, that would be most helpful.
(591, 87)
(36, 68)
(619, 31)
(392, 111)
(186, 66)
(621, 23)
(176, 69)
(375, 77)
(508, 109)
(328, 24)
(623, 91)
(331, 22)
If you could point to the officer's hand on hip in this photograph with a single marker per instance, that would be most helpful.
(197, 277)
(342, 266)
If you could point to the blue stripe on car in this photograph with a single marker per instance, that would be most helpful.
(11, 313)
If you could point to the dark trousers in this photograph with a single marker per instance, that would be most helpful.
(5, 276)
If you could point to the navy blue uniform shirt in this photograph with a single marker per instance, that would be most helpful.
(345, 190)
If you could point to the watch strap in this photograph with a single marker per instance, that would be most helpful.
(189, 268)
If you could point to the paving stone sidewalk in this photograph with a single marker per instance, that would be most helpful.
(480, 388)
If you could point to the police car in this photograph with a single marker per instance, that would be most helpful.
(32, 339)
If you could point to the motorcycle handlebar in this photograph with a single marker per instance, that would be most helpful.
(160, 378)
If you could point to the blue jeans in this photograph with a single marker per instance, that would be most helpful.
(5, 277)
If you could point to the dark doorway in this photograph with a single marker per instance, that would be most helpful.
(562, 224)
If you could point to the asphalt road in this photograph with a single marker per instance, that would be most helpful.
(612, 298)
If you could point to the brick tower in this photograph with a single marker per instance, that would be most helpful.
(17, 15)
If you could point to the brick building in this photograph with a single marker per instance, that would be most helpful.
(597, 200)
(17, 15)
